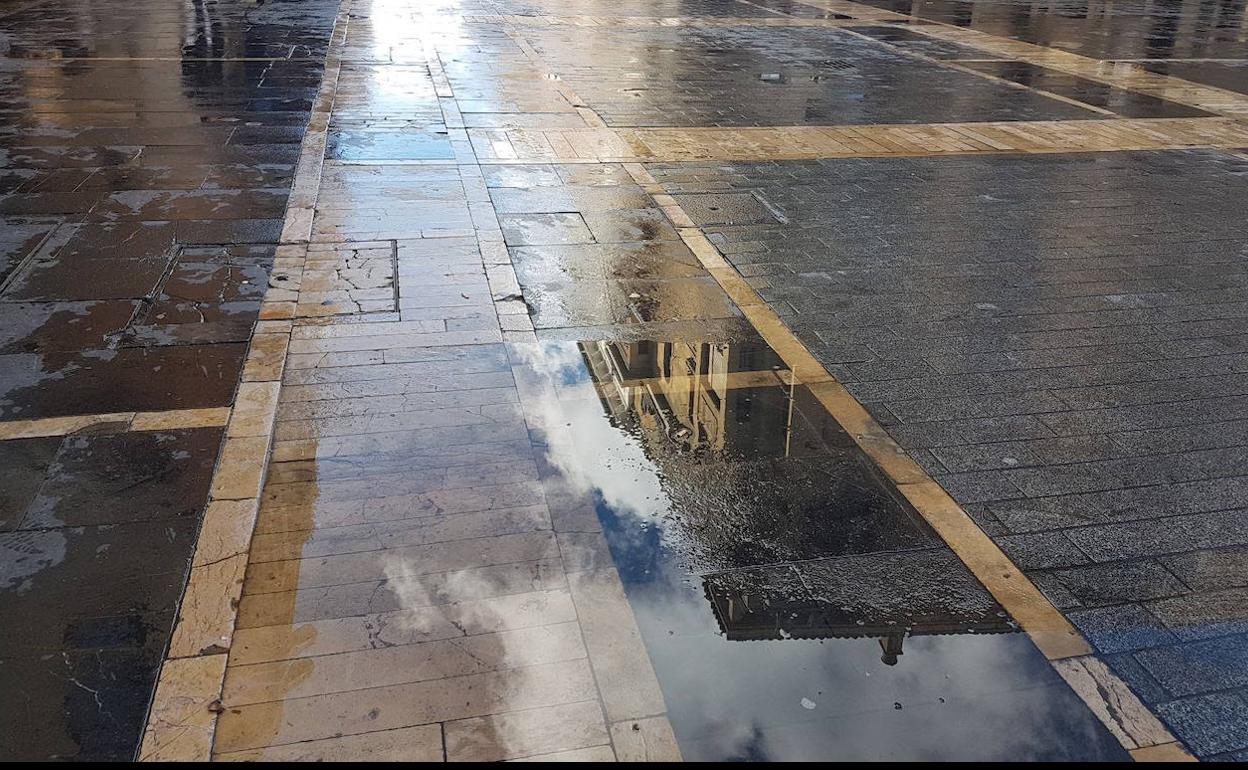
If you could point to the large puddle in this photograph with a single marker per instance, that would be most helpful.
(793, 606)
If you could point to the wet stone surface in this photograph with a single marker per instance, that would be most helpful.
(146, 152)
(792, 606)
(1073, 380)
(1130, 30)
(774, 76)
(96, 536)
(538, 489)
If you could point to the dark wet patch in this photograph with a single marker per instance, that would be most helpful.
(66, 279)
(115, 585)
(125, 477)
(27, 327)
(151, 311)
(66, 157)
(129, 379)
(88, 706)
(605, 261)
(1126, 103)
(101, 596)
(18, 239)
(152, 205)
(792, 604)
(25, 463)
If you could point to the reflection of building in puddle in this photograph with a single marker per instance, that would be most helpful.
(822, 600)
(702, 395)
(794, 533)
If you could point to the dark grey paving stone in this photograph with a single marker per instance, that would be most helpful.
(1204, 615)
(91, 704)
(72, 280)
(18, 239)
(1209, 570)
(127, 379)
(1121, 628)
(1155, 538)
(1137, 677)
(1126, 103)
(1055, 591)
(1042, 550)
(1119, 583)
(140, 476)
(980, 486)
(1209, 724)
(725, 208)
(173, 205)
(25, 464)
(743, 76)
(62, 326)
(1199, 667)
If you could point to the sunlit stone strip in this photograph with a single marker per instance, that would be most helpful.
(638, 22)
(182, 721)
(1119, 74)
(115, 422)
(622, 145)
(1122, 713)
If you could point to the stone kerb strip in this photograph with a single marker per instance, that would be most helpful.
(182, 719)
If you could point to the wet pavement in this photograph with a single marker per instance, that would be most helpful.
(725, 455)
(146, 151)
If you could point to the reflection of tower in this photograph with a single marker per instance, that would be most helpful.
(891, 646)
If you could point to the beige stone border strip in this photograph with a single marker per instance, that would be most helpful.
(1128, 719)
(640, 22)
(674, 145)
(115, 422)
(182, 720)
(1123, 75)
